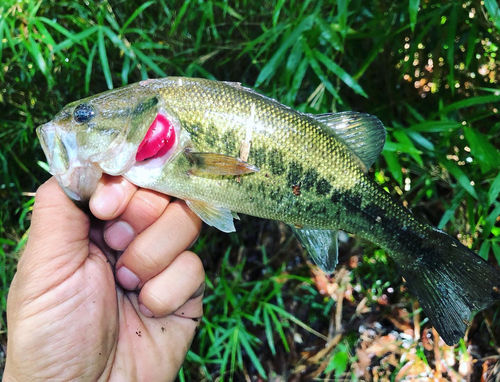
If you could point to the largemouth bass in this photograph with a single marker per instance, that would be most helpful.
(226, 149)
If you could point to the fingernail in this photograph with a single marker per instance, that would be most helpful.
(108, 199)
(145, 311)
(199, 291)
(127, 278)
(119, 235)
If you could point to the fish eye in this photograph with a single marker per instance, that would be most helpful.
(83, 113)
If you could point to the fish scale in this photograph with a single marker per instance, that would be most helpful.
(236, 151)
(276, 123)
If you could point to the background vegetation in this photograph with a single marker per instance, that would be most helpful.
(428, 69)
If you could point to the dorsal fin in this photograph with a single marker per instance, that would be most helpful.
(363, 133)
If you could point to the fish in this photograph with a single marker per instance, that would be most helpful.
(227, 150)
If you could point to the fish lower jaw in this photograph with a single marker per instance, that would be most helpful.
(80, 182)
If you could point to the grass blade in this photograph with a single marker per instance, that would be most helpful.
(452, 31)
(460, 176)
(134, 15)
(494, 190)
(251, 353)
(104, 59)
(394, 167)
(435, 126)
(149, 62)
(341, 73)
(270, 68)
(413, 10)
(342, 15)
(88, 70)
(481, 148)
(319, 72)
(493, 11)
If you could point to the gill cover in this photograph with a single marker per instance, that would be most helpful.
(98, 134)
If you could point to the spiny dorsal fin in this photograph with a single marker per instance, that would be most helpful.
(321, 244)
(218, 217)
(363, 133)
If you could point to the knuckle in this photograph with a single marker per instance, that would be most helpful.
(192, 264)
(144, 258)
(147, 208)
(159, 304)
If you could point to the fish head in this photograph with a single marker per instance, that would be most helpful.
(108, 133)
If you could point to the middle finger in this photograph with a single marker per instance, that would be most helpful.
(155, 248)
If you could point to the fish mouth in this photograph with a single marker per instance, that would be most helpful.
(80, 183)
(78, 180)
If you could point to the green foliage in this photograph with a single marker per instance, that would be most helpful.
(428, 70)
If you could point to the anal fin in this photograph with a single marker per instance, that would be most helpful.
(218, 164)
(218, 217)
(321, 245)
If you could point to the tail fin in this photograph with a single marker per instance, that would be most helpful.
(450, 282)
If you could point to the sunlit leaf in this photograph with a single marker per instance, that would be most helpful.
(104, 59)
(488, 156)
(494, 191)
(468, 102)
(493, 12)
(270, 68)
(134, 15)
(394, 167)
(451, 34)
(342, 6)
(450, 211)
(413, 10)
(491, 219)
(436, 126)
(341, 73)
(338, 362)
(485, 249)
(460, 176)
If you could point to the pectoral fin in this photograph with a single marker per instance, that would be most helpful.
(321, 245)
(218, 164)
(220, 218)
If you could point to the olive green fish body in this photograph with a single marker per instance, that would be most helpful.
(307, 177)
(226, 149)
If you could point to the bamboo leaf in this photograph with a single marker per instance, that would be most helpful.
(88, 70)
(435, 126)
(468, 102)
(460, 176)
(487, 155)
(251, 353)
(149, 62)
(104, 59)
(319, 72)
(134, 15)
(413, 10)
(494, 191)
(270, 68)
(493, 11)
(471, 45)
(452, 31)
(490, 220)
(341, 73)
(342, 16)
(485, 249)
(393, 164)
(451, 210)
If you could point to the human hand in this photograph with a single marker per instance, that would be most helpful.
(68, 319)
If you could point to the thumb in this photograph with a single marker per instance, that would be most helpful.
(58, 238)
